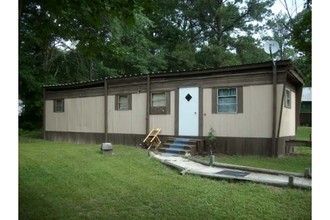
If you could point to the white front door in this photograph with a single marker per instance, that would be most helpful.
(188, 111)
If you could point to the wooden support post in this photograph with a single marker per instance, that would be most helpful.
(280, 117)
(290, 181)
(307, 173)
(105, 110)
(44, 114)
(148, 105)
(274, 139)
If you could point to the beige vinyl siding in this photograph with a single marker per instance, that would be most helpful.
(80, 115)
(256, 119)
(288, 122)
(55, 121)
(165, 122)
(128, 121)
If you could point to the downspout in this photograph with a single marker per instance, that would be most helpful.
(148, 104)
(274, 139)
(105, 110)
(280, 118)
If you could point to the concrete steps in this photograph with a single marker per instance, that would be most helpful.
(179, 146)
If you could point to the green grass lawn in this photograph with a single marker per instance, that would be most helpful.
(296, 162)
(70, 181)
(304, 133)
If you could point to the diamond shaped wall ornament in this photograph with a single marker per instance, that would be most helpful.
(188, 97)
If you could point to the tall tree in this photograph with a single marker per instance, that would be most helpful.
(208, 27)
(302, 41)
(248, 50)
(44, 58)
(280, 29)
(302, 31)
(293, 31)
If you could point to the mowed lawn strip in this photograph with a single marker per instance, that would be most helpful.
(71, 181)
(289, 163)
(296, 162)
(304, 133)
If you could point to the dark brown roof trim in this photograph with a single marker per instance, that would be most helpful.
(238, 69)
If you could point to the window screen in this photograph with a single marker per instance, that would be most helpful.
(227, 100)
(59, 105)
(123, 102)
(158, 100)
(287, 103)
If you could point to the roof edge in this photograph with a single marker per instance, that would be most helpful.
(97, 82)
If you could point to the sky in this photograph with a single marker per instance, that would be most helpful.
(293, 5)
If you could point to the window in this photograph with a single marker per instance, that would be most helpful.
(287, 100)
(227, 100)
(59, 105)
(160, 103)
(123, 102)
(158, 100)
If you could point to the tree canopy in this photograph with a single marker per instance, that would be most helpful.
(70, 40)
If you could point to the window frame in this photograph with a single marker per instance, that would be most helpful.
(58, 108)
(239, 100)
(129, 102)
(288, 98)
(224, 97)
(159, 100)
(160, 110)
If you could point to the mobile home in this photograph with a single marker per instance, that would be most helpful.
(253, 108)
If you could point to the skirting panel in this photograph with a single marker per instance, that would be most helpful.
(126, 139)
(225, 145)
(75, 137)
(243, 146)
(94, 138)
(305, 119)
(249, 146)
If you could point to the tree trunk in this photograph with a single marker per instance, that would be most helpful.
(90, 70)
(218, 22)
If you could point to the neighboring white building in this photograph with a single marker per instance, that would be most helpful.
(306, 107)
